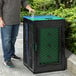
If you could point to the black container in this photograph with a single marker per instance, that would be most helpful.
(44, 43)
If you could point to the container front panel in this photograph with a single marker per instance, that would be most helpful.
(48, 45)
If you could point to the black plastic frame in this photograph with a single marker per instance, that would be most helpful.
(33, 62)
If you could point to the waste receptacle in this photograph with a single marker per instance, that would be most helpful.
(44, 43)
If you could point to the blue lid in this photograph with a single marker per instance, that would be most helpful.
(40, 18)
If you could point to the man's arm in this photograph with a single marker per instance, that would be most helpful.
(1, 20)
(27, 6)
(1, 7)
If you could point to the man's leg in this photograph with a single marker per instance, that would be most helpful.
(6, 41)
(15, 30)
(14, 33)
(6, 44)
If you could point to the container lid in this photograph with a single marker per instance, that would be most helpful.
(40, 18)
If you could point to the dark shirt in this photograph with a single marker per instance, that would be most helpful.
(10, 10)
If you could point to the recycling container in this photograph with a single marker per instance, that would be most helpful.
(44, 43)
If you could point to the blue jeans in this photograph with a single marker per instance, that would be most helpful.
(9, 34)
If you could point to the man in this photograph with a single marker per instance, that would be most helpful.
(9, 23)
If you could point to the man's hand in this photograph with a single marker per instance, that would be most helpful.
(30, 9)
(1, 22)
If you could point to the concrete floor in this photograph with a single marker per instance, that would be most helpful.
(20, 69)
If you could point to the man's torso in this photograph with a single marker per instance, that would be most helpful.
(11, 11)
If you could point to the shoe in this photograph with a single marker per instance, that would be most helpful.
(9, 64)
(16, 57)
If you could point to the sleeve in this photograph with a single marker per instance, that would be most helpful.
(1, 3)
(24, 3)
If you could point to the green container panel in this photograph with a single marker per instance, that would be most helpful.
(48, 45)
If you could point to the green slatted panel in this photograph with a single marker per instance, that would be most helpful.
(48, 45)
